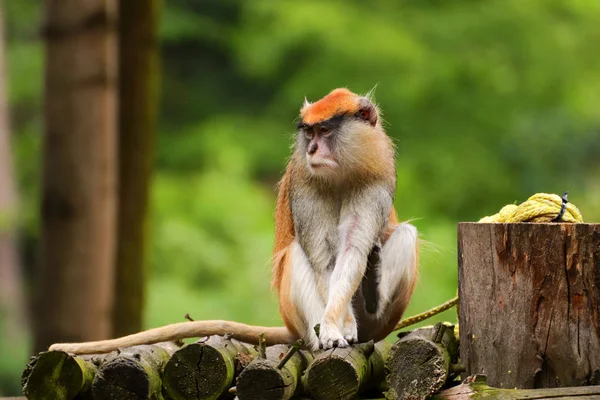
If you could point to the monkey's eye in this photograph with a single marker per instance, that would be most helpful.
(308, 133)
(324, 130)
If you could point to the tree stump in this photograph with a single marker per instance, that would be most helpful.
(530, 303)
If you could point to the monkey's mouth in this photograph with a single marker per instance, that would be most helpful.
(322, 163)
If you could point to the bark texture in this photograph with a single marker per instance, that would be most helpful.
(75, 278)
(138, 96)
(530, 303)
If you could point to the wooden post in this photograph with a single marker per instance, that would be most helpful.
(530, 303)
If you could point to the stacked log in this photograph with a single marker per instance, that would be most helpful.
(205, 369)
(220, 367)
(421, 362)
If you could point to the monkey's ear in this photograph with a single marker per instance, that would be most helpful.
(367, 111)
(305, 105)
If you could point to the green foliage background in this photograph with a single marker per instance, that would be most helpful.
(489, 101)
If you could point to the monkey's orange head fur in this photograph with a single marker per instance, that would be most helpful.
(339, 101)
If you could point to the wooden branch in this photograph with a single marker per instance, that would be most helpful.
(268, 379)
(419, 363)
(205, 369)
(476, 388)
(132, 372)
(58, 372)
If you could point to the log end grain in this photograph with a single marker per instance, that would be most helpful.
(337, 373)
(57, 375)
(417, 367)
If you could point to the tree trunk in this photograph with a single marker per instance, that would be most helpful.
(75, 279)
(138, 84)
(12, 308)
(530, 303)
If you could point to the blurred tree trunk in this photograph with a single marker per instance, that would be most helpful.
(138, 71)
(12, 307)
(75, 279)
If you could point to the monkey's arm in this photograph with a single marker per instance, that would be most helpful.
(182, 330)
(363, 220)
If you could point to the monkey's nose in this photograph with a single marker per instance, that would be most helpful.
(312, 148)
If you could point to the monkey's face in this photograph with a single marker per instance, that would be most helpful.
(318, 143)
(337, 145)
(337, 135)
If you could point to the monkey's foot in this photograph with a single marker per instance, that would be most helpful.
(330, 337)
(350, 332)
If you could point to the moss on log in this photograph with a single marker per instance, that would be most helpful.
(420, 363)
(376, 381)
(56, 375)
(475, 388)
(205, 369)
(274, 377)
(132, 373)
(339, 373)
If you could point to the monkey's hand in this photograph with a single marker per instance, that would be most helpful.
(330, 336)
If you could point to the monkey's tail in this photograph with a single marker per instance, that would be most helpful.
(183, 330)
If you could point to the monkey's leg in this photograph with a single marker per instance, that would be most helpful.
(305, 295)
(398, 271)
(387, 285)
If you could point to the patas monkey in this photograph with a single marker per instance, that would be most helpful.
(341, 258)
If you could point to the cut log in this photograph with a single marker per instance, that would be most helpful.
(205, 369)
(273, 378)
(476, 388)
(132, 373)
(530, 303)
(376, 382)
(59, 376)
(420, 363)
(339, 373)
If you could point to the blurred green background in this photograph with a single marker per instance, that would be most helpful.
(487, 101)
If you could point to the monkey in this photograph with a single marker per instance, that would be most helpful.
(341, 259)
